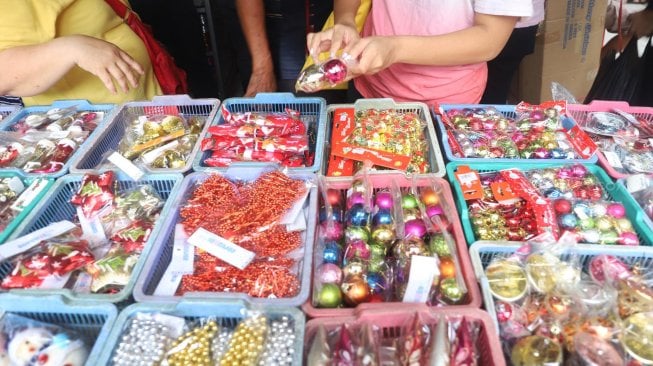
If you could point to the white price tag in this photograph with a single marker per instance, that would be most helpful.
(16, 185)
(423, 270)
(52, 282)
(92, 229)
(126, 166)
(294, 211)
(221, 248)
(613, 159)
(149, 157)
(466, 179)
(169, 283)
(183, 253)
(28, 241)
(83, 283)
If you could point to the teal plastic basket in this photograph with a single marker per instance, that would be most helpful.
(227, 313)
(436, 161)
(483, 252)
(56, 207)
(161, 255)
(109, 138)
(93, 321)
(4, 235)
(82, 105)
(506, 110)
(312, 112)
(614, 191)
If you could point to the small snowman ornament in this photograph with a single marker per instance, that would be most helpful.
(26, 343)
(63, 351)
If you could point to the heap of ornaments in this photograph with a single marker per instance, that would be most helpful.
(571, 196)
(156, 339)
(550, 312)
(97, 263)
(362, 258)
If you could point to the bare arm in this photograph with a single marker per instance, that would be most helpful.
(481, 42)
(251, 14)
(343, 32)
(31, 70)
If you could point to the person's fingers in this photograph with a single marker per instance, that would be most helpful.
(105, 77)
(336, 42)
(355, 49)
(119, 76)
(129, 72)
(132, 63)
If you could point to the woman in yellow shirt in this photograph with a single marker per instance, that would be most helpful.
(71, 49)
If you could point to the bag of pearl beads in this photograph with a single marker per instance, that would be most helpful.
(160, 141)
(25, 341)
(627, 155)
(325, 74)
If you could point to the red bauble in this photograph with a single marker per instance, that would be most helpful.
(562, 206)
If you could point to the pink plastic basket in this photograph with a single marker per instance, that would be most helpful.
(473, 298)
(391, 322)
(580, 111)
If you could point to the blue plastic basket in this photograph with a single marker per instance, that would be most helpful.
(228, 313)
(93, 321)
(631, 201)
(21, 216)
(312, 112)
(6, 111)
(614, 191)
(109, 138)
(506, 110)
(56, 207)
(483, 252)
(82, 105)
(436, 162)
(161, 255)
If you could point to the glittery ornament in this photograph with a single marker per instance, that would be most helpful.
(409, 202)
(355, 290)
(353, 233)
(329, 273)
(357, 249)
(382, 217)
(438, 245)
(415, 228)
(383, 235)
(332, 253)
(536, 350)
(344, 352)
(329, 296)
(357, 215)
(451, 292)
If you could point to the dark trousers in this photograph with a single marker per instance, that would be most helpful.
(502, 69)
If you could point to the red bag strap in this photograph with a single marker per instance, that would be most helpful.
(119, 7)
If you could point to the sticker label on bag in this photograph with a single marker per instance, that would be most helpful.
(29, 194)
(149, 157)
(423, 271)
(92, 229)
(30, 240)
(221, 248)
(126, 166)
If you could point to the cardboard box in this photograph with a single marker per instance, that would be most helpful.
(567, 50)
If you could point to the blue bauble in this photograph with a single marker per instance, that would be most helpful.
(553, 193)
(568, 221)
(332, 253)
(336, 214)
(582, 210)
(382, 217)
(376, 282)
(558, 153)
(357, 215)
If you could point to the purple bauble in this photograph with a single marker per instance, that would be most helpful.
(329, 273)
(541, 153)
(415, 227)
(335, 71)
(628, 238)
(356, 198)
(538, 115)
(332, 232)
(579, 171)
(434, 210)
(357, 249)
(616, 210)
(383, 200)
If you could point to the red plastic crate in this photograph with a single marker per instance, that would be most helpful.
(473, 298)
(393, 319)
(580, 111)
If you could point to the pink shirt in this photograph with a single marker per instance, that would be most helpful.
(429, 84)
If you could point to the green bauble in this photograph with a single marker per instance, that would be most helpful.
(329, 296)
(437, 245)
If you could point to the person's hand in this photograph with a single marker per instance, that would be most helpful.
(261, 81)
(332, 40)
(372, 53)
(641, 23)
(106, 61)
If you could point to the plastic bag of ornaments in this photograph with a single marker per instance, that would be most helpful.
(325, 74)
(38, 152)
(160, 141)
(640, 187)
(278, 137)
(24, 341)
(629, 155)
(59, 119)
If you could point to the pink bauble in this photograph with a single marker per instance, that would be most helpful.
(383, 200)
(415, 227)
(329, 273)
(357, 249)
(433, 210)
(335, 71)
(616, 210)
(333, 232)
(628, 238)
(355, 198)
(538, 115)
(579, 171)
